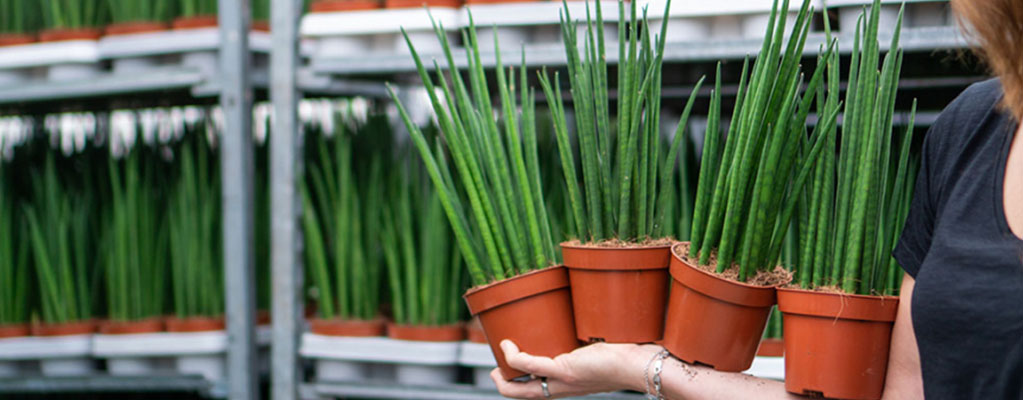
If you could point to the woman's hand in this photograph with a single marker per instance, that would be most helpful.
(596, 368)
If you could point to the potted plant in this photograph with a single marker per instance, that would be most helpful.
(13, 275)
(19, 20)
(618, 262)
(196, 261)
(503, 232)
(194, 14)
(58, 229)
(838, 315)
(724, 279)
(342, 261)
(261, 15)
(72, 21)
(425, 277)
(135, 260)
(138, 16)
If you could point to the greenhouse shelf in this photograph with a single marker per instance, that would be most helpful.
(913, 40)
(110, 384)
(103, 86)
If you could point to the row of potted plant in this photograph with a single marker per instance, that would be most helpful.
(752, 183)
(28, 21)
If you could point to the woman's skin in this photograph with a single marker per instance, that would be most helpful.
(608, 367)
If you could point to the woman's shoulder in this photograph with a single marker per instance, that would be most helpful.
(961, 122)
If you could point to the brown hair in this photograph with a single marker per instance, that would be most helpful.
(997, 25)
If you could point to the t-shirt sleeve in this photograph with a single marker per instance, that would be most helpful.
(915, 241)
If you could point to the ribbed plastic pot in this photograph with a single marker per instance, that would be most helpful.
(325, 6)
(195, 22)
(60, 35)
(534, 310)
(195, 324)
(128, 28)
(150, 325)
(339, 327)
(422, 3)
(16, 39)
(422, 333)
(836, 345)
(618, 293)
(714, 321)
(13, 330)
(771, 348)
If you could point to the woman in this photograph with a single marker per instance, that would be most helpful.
(959, 329)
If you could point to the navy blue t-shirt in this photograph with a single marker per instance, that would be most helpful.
(967, 305)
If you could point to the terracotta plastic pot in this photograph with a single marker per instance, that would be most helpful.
(474, 331)
(198, 21)
(64, 329)
(263, 317)
(262, 26)
(14, 39)
(338, 327)
(150, 325)
(60, 35)
(771, 348)
(836, 345)
(421, 3)
(421, 333)
(127, 28)
(323, 6)
(534, 310)
(195, 324)
(618, 293)
(715, 321)
(15, 330)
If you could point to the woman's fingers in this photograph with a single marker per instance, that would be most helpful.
(539, 366)
(516, 390)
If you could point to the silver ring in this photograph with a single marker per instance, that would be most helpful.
(546, 389)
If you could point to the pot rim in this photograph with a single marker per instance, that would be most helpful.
(329, 6)
(135, 27)
(187, 324)
(80, 327)
(838, 306)
(14, 330)
(709, 284)
(479, 302)
(69, 34)
(351, 327)
(612, 259)
(116, 327)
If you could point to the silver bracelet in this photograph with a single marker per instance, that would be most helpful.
(658, 362)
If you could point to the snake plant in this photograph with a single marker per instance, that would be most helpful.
(13, 259)
(860, 197)
(625, 177)
(195, 235)
(122, 11)
(424, 268)
(750, 180)
(19, 16)
(136, 243)
(59, 233)
(73, 14)
(504, 230)
(196, 8)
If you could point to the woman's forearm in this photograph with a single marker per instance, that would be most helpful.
(681, 381)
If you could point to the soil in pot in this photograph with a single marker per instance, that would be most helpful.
(194, 324)
(422, 3)
(61, 35)
(714, 320)
(534, 310)
(338, 327)
(64, 329)
(619, 291)
(15, 39)
(195, 22)
(447, 333)
(13, 330)
(325, 6)
(151, 325)
(128, 28)
(836, 344)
